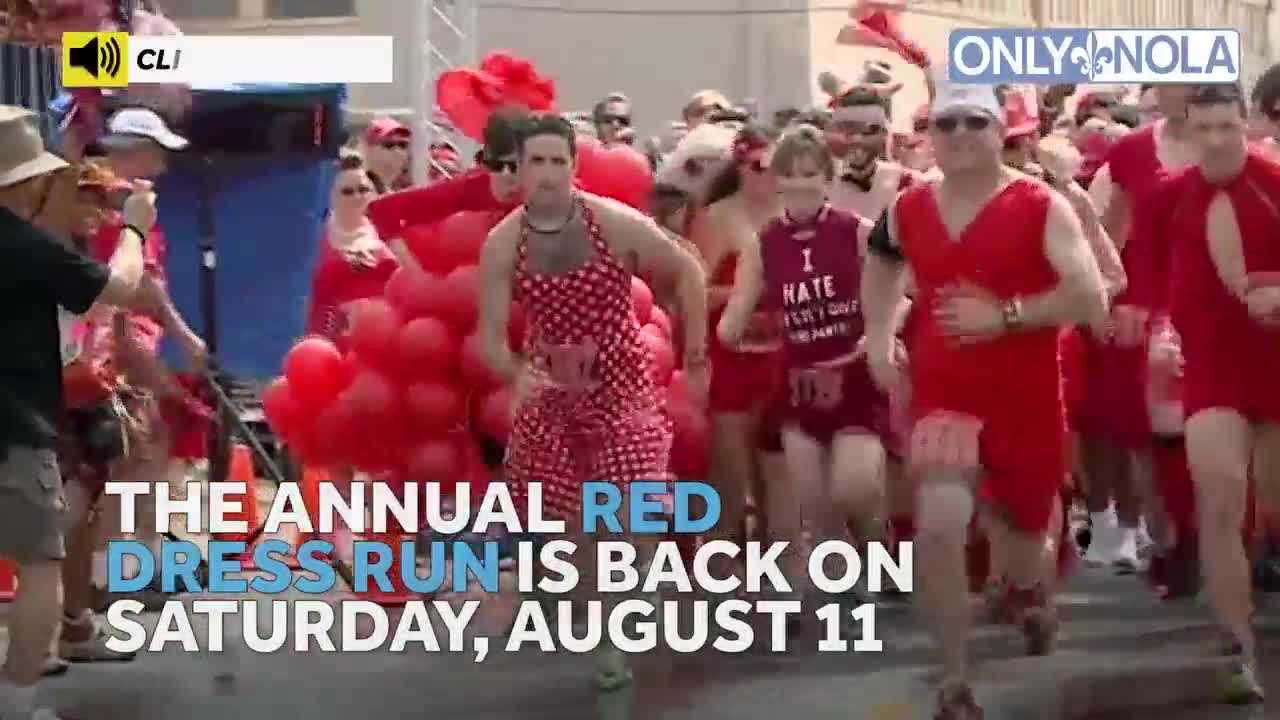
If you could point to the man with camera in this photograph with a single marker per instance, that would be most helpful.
(42, 283)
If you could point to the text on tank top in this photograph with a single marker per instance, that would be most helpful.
(1001, 252)
(812, 274)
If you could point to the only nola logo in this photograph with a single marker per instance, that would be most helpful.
(1115, 55)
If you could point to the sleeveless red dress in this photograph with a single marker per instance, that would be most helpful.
(1231, 360)
(1013, 383)
(1115, 379)
(748, 376)
(335, 284)
(608, 426)
(812, 276)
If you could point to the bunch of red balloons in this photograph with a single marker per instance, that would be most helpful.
(410, 393)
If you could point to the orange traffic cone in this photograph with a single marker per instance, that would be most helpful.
(8, 581)
(242, 471)
(400, 594)
(309, 488)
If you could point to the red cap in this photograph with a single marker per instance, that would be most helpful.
(381, 128)
(1019, 120)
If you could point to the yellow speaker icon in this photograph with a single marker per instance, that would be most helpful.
(95, 59)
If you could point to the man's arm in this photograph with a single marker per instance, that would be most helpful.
(394, 212)
(1117, 215)
(1080, 297)
(883, 283)
(497, 269)
(1104, 250)
(636, 235)
(748, 285)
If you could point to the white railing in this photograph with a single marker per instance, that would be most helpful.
(443, 36)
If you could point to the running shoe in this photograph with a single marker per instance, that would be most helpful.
(1241, 686)
(613, 672)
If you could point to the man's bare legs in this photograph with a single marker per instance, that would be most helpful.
(1219, 449)
(944, 509)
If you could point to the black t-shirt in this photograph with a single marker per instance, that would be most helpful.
(37, 276)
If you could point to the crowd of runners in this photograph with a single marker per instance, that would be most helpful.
(954, 336)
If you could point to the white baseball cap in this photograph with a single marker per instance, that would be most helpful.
(953, 97)
(128, 126)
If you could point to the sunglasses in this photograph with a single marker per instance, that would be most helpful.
(356, 190)
(621, 120)
(501, 166)
(972, 123)
(856, 128)
(396, 145)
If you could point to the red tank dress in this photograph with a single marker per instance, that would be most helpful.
(746, 377)
(1012, 383)
(812, 275)
(1115, 378)
(611, 426)
(335, 284)
(1230, 359)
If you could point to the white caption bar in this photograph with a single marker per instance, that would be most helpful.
(216, 60)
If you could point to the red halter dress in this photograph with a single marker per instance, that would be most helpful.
(601, 419)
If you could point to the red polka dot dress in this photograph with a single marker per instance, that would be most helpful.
(596, 416)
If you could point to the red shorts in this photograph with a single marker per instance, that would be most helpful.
(1114, 406)
(857, 405)
(743, 381)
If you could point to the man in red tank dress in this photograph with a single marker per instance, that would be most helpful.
(587, 408)
(1224, 299)
(1001, 264)
(1115, 428)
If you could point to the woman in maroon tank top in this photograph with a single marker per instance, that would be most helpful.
(808, 273)
(745, 458)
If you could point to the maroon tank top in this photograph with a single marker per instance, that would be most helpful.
(812, 273)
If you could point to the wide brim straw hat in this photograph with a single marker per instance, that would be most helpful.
(22, 153)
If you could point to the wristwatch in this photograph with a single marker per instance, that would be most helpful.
(1011, 312)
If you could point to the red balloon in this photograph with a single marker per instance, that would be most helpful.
(399, 286)
(662, 360)
(424, 243)
(494, 414)
(476, 473)
(660, 318)
(373, 398)
(475, 368)
(688, 457)
(424, 295)
(427, 349)
(283, 411)
(331, 438)
(436, 460)
(315, 371)
(462, 287)
(616, 172)
(434, 407)
(376, 332)
(641, 300)
(461, 236)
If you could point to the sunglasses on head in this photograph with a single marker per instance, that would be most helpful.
(973, 123)
(396, 144)
(501, 166)
(353, 190)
